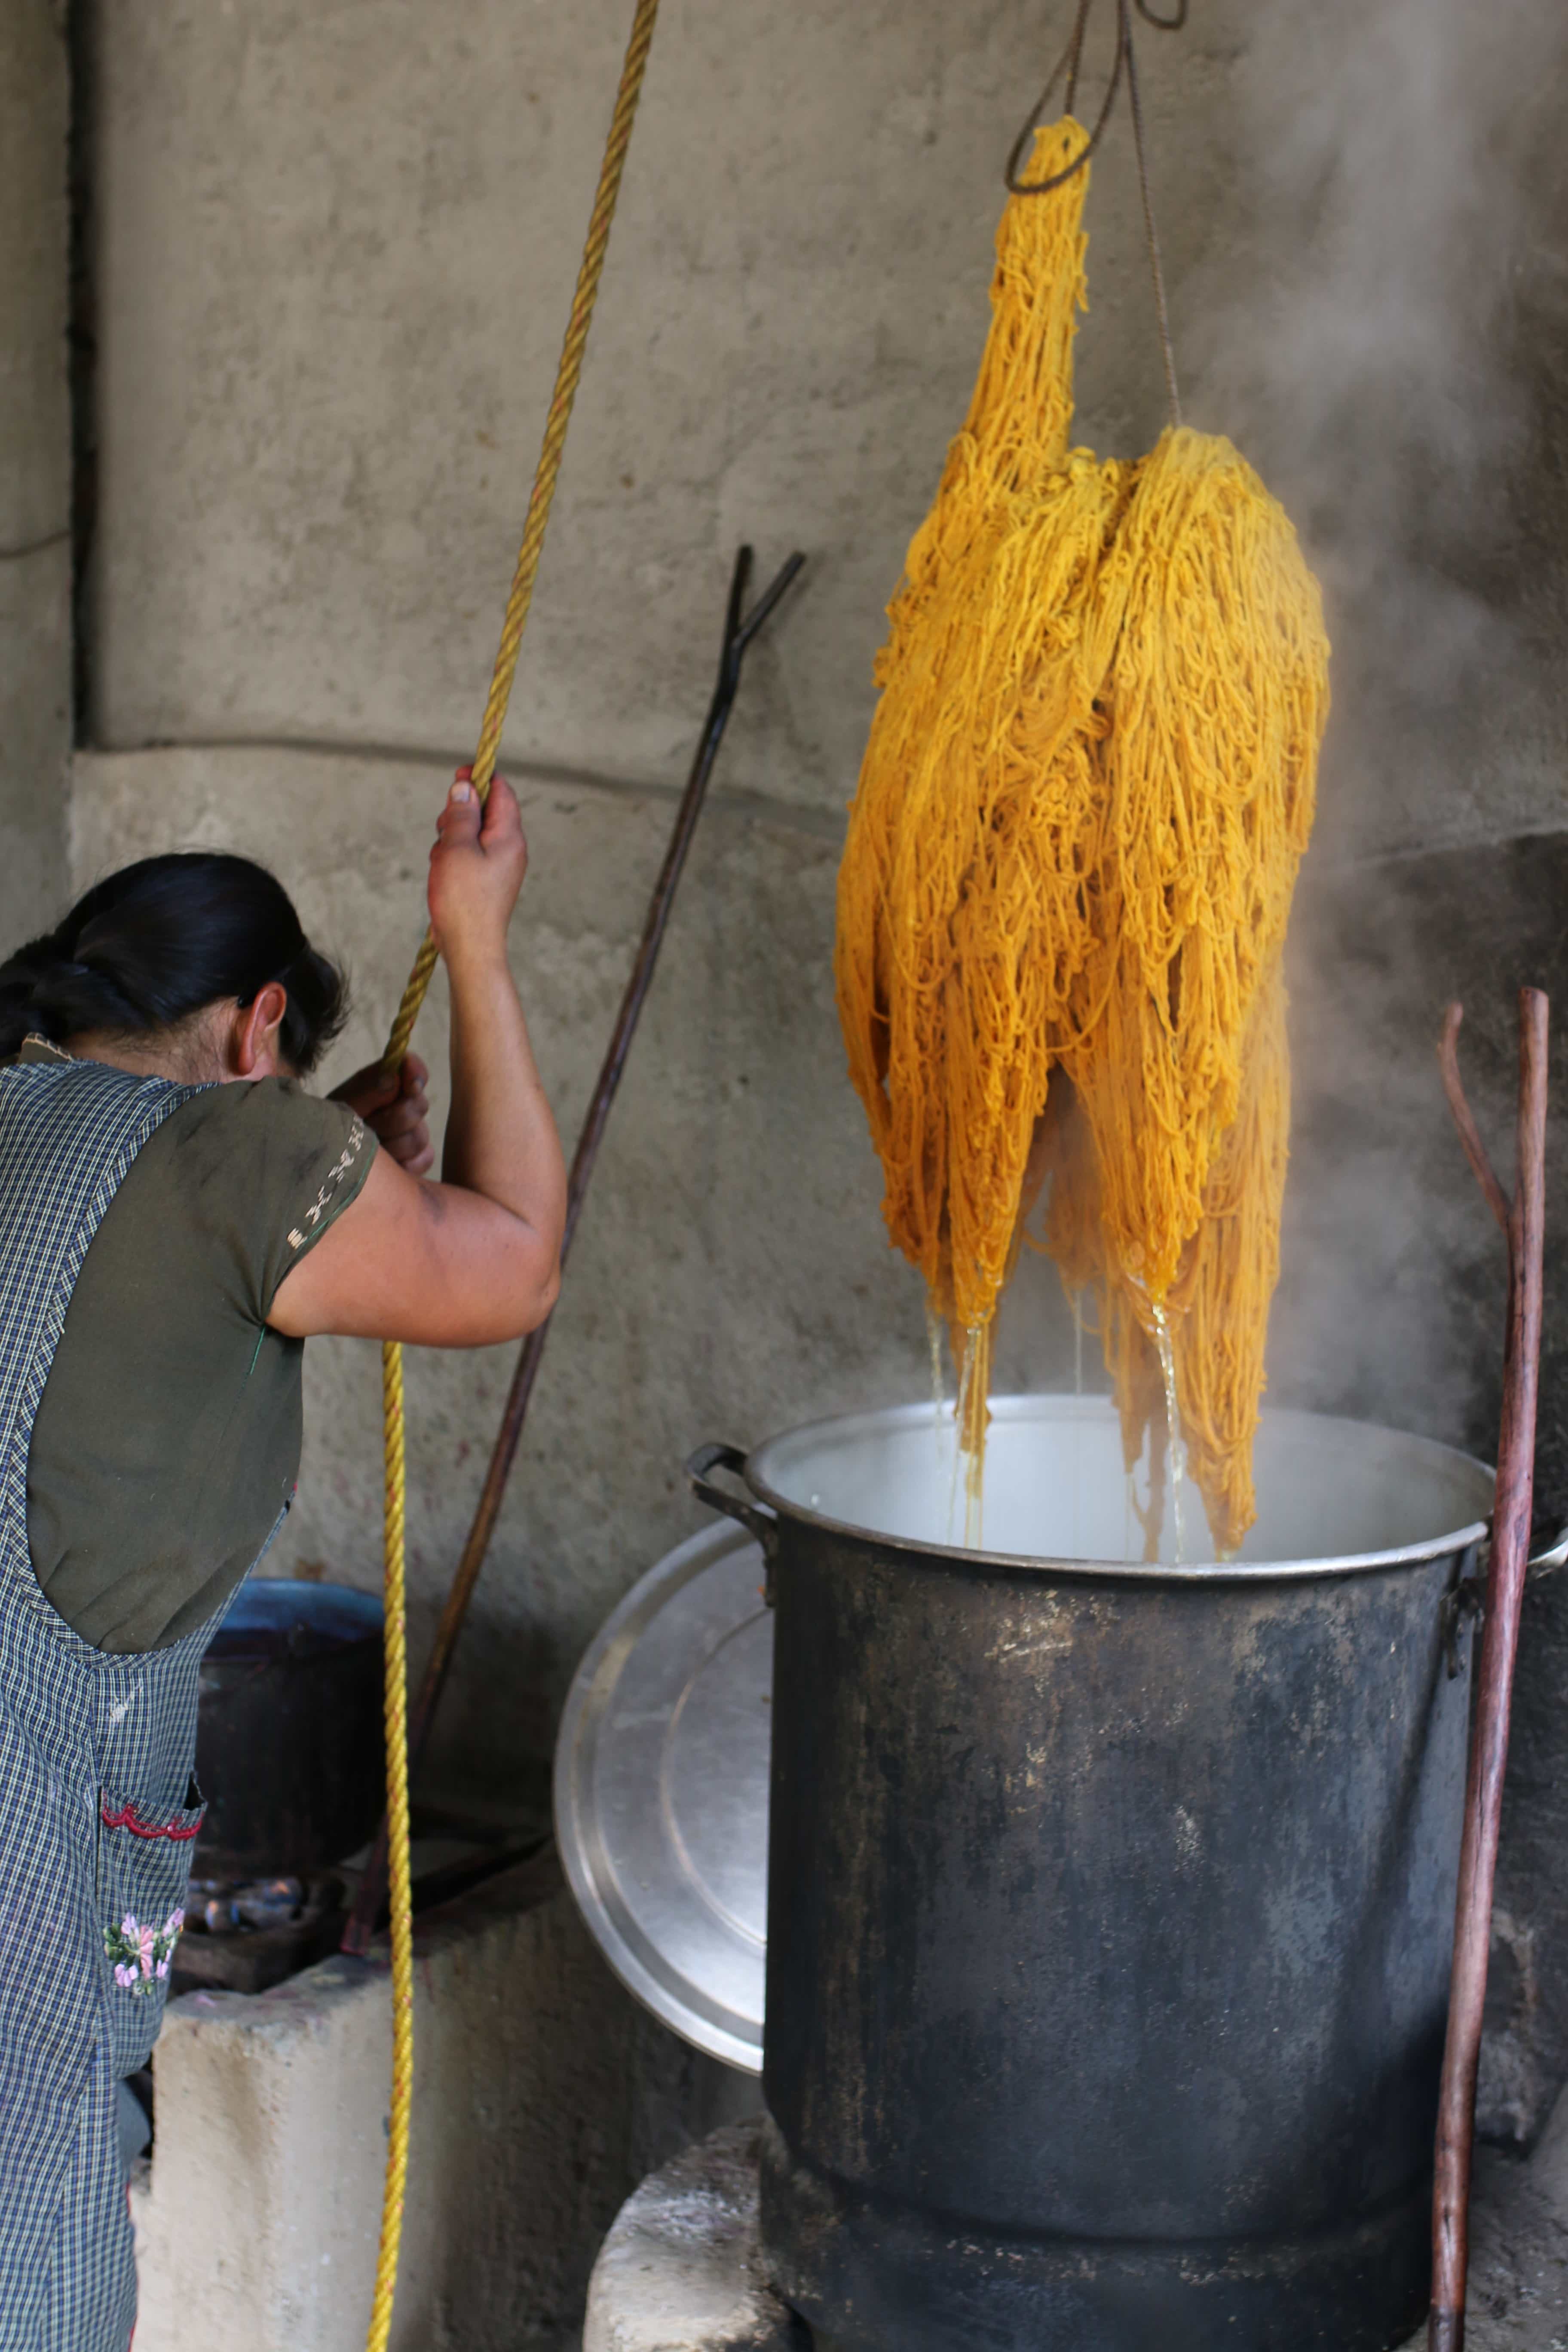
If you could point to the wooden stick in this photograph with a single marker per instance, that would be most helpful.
(1525, 1227)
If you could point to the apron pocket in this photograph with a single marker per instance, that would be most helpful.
(143, 1867)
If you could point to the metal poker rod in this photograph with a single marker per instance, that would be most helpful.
(739, 630)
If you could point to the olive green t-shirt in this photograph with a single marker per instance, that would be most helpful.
(167, 1439)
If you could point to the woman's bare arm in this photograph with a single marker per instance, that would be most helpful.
(477, 1257)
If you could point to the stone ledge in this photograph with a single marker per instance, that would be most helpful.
(681, 2270)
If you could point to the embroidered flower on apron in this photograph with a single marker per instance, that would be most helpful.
(138, 1955)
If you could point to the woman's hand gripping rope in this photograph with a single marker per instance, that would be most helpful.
(477, 868)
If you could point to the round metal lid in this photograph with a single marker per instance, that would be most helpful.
(661, 1792)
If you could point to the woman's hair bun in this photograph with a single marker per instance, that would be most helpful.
(162, 939)
(45, 993)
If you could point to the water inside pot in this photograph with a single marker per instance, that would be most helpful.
(1056, 1487)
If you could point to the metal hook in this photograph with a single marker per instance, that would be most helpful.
(1068, 63)
(1125, 63)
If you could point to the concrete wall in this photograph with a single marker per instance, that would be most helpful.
(334, 252)
(34, 461)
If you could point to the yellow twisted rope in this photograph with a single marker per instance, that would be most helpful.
(396, 1716)
(567, 374)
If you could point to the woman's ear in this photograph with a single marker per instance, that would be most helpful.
(253, 1043)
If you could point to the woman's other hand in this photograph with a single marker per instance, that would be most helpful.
(397, 1111)
(476, 870)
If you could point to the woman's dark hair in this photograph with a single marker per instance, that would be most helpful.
(160, 939)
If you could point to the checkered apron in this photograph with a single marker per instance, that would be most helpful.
(99, 1806)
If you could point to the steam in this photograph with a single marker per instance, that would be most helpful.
(1374, 356)
(1364, 356)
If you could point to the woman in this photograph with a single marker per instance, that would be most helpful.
(177, 1217)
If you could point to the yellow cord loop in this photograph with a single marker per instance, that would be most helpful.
(567, 375)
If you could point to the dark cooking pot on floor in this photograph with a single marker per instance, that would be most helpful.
(1109, 1907)
(289, 1744)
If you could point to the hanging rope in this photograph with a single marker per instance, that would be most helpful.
(567, 375)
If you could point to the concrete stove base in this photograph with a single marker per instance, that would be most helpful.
(541, 2092)
(681, 2270)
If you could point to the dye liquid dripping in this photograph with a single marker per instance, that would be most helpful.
(933, 1342)
(943, 1415)
(970, 1416)
(1177, 1457)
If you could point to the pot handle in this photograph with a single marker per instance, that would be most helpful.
(761, 1524)
(1556, 1555)
(1466, 1599)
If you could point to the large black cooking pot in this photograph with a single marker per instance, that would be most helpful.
(1109, 1907)
(290, 1749)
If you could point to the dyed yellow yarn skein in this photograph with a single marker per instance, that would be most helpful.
(1089, 783)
